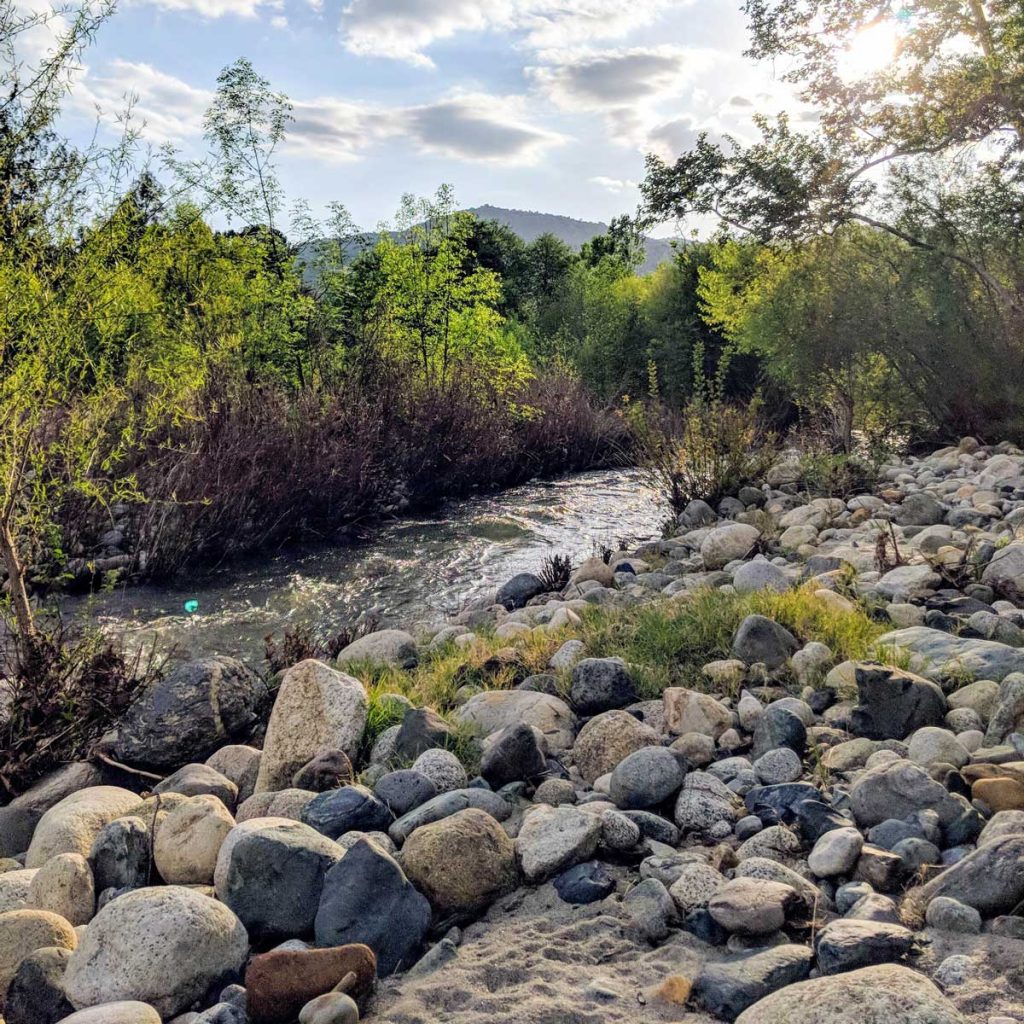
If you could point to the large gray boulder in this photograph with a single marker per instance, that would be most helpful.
(518, 591)
(385, 647)
(494, 710)
(990, 879)
(1005, 573)
(940, 656)
(885, 994)
(759, 639)
(189, 714)
(727, 989)
(601, 684)
(553, 838)
(317, 708)
(893, 704)
(728, 543)
(163, 946)
(72, 825)
(897, 790)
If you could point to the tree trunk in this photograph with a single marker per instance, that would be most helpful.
(16, 578)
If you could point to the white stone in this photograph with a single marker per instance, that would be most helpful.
(189, 839)
(72, 825)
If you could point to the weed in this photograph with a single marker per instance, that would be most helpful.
(555, 572)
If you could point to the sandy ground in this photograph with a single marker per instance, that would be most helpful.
(536, 960)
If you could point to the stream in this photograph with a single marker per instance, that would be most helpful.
(410, 572)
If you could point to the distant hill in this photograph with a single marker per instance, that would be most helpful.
(529, 226)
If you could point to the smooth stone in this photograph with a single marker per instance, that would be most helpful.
(727, 989)
(846, 945)
(23, 932)
(71, 826)
(553, 838)
(584, 883)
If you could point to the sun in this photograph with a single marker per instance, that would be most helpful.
(871, 50)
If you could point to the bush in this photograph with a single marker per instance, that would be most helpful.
(60, 691)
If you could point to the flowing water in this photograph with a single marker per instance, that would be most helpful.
(410, 572)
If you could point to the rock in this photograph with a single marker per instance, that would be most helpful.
(939, 655)
(36, 993)
(688, 711)
(15, 886)
(761, 641)
(727, 544)
(517, 592)
(919, 509)
(777, 842)
(897, 790)
(445, 805)
(128, 1011)
(222, 1013)
(778, 727)
(778, 766)
(513, 755)
(703, 808)
(72, 825)
(608, 739)
(893, 704)
(316, 708)
(949, 915)
(404, 790)
(330, 1008)
(385, 647)
(758, 575)
(1002, 823)
(989, 879)
(198, 779)
(422, 729)
(811, 663)
(772, 871)
(696, 883)
(908, 581)
(878, 867)
(554, 838)
(493, 710)
(846, 945)
(645, 778)
(697, 749)
(120, 855)
(1000, 794)
(751, 907)
(932, 745)
(595, 569)
(284, 803)
(584, 883)
(20, 817)
(1005, 573)
(461, 863)
(443, 769)
(601, 684)
(64, 886)
(328, 770)
(367, 899)
(23, 932)
(953, 971)
(349, 809)
(280, 983)
(164, 946)
(836, 853)
(271, 873)
(240, 764)
(650, 909)
(872, 995)
(618, 832)
(555, 792)
(191, 712)
(567, 655)
(727, 989)
(189, 839)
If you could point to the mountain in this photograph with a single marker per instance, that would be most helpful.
(529, 225)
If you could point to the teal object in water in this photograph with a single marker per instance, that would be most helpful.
(192, 606)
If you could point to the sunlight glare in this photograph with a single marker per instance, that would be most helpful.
(871, 50)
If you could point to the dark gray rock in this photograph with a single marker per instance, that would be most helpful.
(584, 883)
(645, 778)
(349, 809)
(422, 729)
(513, 755)
(601, 684)
(847, 944)
(899, 789)
(727, 989)
(892, 831)
(444, 805)
(274, 878)
(187, 715)
(920, 509)
(990, 879)
(404, 790)
(780, 804)
(328, 770)
(892, 704)
(367, 898)
(760, 640)
(517, 592)
(199, 779)
(119, 857)
(778, 727)
(222, 1013)
(654, 826)
(36, 992)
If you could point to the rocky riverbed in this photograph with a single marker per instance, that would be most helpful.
(790, 837)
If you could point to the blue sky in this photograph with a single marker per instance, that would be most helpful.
(534, 104)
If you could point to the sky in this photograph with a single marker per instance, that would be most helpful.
(547, 105)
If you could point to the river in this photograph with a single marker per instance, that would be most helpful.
(411, 572)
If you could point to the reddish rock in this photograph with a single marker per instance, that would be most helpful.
(280, 983)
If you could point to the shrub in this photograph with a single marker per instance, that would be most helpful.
(555, 573)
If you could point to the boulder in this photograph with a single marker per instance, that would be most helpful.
(23, 932)
(553, 838)
(189, 839)
(422, 729)
(278, 984)
(198, 779)
(1005, 573)
(989, 879)
(846, 945)
(64, 885)
(645, 778)
(191, 712)
(728, 543)
(330, 769)
(367, 899)
(15, 886)
(443, 769)
(404, 790)
(494, 710)
(124, 1011)
(758, 575)
(163, 946)
(596, 570)
(512, 755)
(778, 727)
(920, 509)
(316, 708)
(601, 684)
(517, 592)
(36, 993)
(689, 711)
(760, 640)
(727, 989)
(893, 704)
(461, 863)
(240, 764)
(445, 805)
(71, 826)
(751, 907)
(696, 883)
(899, 789)
(606, 740)
(872, 995)
(836, 852)
(939, 656)
(349, 809)
(119, 857)
(385, 647)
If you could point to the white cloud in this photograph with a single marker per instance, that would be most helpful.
(614, 184)
(213, 8)
(405, 29)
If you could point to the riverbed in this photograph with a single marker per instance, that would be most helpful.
(411, 572)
